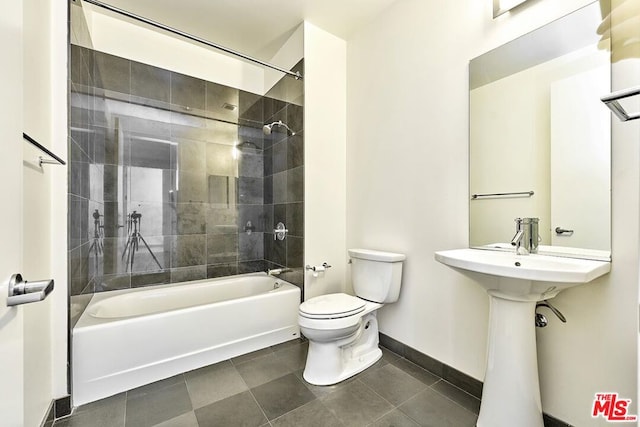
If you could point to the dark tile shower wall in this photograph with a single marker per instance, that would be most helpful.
(284, 175)
(184, 163)
(86, 154)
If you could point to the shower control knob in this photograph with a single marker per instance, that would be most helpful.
(280, 232)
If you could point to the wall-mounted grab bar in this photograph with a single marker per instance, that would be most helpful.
(612, 99)
(41, 160)
(496, 195)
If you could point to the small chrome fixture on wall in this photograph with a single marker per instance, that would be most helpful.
(267, 129)
(612, 99)
(561, 231)
(280, 232)
(249, 227)
(317, 268)
(52, 160)
(503, 6)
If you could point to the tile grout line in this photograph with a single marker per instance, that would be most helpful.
(458, 388)
(260, 406)
(391, 403)
(424, 369)
(382, 416)
(315, 398)
(450, 399)
(421, 391)
(126, 399)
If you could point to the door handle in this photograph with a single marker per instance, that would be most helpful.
(23, 292)
(560, 230)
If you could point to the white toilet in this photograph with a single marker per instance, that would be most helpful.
(342, 329)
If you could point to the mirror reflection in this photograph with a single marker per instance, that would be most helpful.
(540, 139)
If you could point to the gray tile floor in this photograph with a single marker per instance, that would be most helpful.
(265, 388)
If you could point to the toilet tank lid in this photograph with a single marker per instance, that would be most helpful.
(376, 255)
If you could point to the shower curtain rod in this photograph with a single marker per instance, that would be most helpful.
(296, 75)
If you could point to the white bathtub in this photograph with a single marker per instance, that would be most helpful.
(125, 339)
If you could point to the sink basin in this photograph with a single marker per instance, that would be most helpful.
(567, 271)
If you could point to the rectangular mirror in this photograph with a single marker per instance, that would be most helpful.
(504, 6)
(540, 139)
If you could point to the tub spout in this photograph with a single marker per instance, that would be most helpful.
(278, 271)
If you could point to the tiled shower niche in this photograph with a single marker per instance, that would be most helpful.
(172, 179)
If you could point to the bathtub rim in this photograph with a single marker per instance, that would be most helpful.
(86, 320)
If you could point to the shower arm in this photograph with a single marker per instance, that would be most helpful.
(268, 128)
(280, 123)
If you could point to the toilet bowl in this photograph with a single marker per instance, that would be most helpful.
(342, 329)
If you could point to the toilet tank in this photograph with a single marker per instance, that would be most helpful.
(376, 275)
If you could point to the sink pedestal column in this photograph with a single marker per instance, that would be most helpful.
(511, 391)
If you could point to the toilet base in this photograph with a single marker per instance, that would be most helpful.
(332, 362)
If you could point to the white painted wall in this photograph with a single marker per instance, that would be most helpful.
(58, 43)
(116, 36)
(286, 57)
(407, 159)
(36, 209)
(407, 191)
(43, 206)
(325, 124)
(579, 126)
(12, 318)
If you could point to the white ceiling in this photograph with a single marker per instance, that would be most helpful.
(255, 27)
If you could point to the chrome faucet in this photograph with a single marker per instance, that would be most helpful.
(517, 239)
(526, 238)
(278, 271)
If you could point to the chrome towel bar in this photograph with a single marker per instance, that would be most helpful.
(612, 99)
(55, 160)
(495, 195)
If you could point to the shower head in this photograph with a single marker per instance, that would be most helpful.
(268, 128)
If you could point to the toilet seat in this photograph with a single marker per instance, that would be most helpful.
(332, 306)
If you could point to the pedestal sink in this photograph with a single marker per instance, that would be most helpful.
(511, 392)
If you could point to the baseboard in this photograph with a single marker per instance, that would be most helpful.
(550, 421)
(58, 408)
(62, 407)
(446, 372)
(449, 374)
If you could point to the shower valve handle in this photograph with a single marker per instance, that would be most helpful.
(280, 232)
